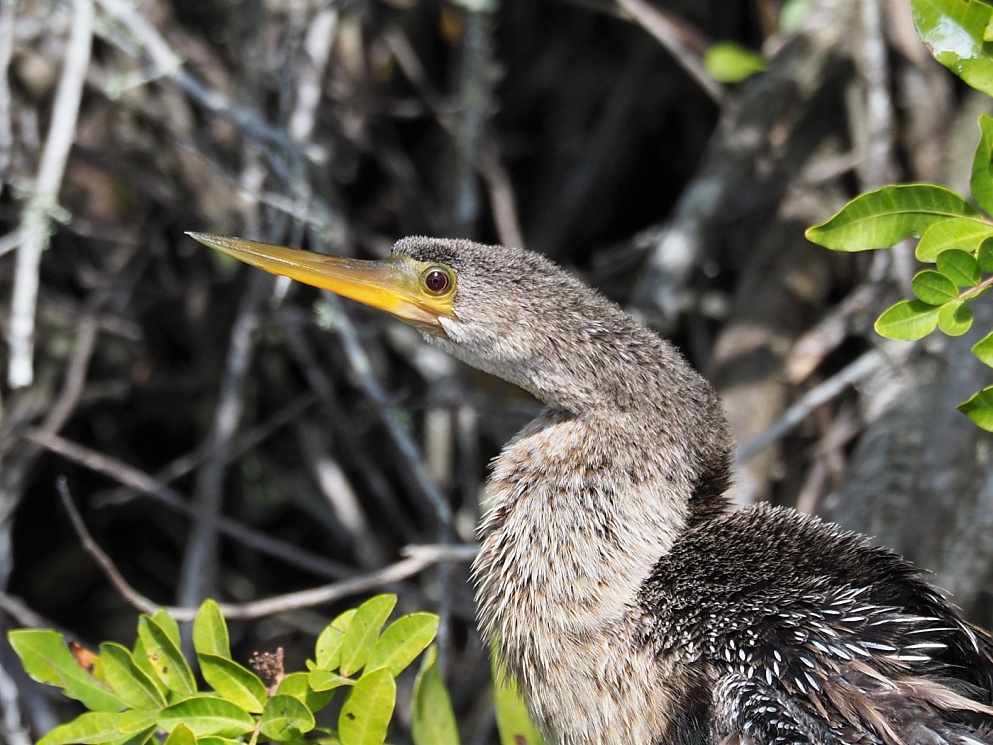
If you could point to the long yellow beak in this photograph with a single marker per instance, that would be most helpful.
(395, 285)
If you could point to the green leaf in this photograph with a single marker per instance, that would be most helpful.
(363, 631)
(981, 183)
(983, 349)
(325, 680)
(960, 267)
(884, 217)
(979, 409)
(141, 737)
(140, 656)
(402, 641)
(955, 318)
(366, 712)
(513, 721)
(40, 650)
(908, 320)
(168, 625)
(328, 649)
(210, 632)
(934, 288)
(298, 686)
(953, 30)
(181, 735)
(90, 728)
(728, 62)
(129, 681)
(236, 683)
(285, 718)
(792, 14)
(46, 658)
(961, 233)
(136, 720)
(167, 661)
(433, 721)
(208, 715)
(985, 255)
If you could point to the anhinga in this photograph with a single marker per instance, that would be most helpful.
(630, 602)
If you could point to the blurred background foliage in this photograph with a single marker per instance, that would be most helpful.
(224, 434)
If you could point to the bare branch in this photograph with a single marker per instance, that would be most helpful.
(43, 202)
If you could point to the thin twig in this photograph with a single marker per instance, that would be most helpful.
(245, 441)
(142, 482)
(502, 199)
(378, 487)
(412, 461)
(418, 559)
(868, 364)
(684, 43)
(200, 559)
(13, 476)
(7, 18)
(876, 130)
(168, 63)
(42, 203)
(474, 97)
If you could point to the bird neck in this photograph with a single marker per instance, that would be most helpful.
(581, 508)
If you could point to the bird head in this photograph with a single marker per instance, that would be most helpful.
(420, 293)
(506, 311)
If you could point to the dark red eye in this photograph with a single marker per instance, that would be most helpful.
(437, 281)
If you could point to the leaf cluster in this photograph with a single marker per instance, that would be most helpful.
(133, 694)
(956, 238)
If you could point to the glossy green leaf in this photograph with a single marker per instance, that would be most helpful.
(328, 648)
(979, 409)
(128, 681)
(933, 287)
(285, 718)
(232, 681)
(363, 631)
(981, 183)
(142, 737)
(728, 62)
(985, 255)
(167, 661)
(47, 659)
(181, 735)
(402, 641)
(514, 724)
(134, 721)
(432, 721)
(40, 650)
(955, 233)
(960, 267)
(908, 320)
(140, 656)
(366, 712)
(298, 686)
(983, 349)
(953, 30)
(168, 625)
(210, 632)
(955, 318)
(91, 728)
(325, 680)
(208, 715)
(884, 217)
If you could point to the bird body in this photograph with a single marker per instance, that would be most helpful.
(628, 600)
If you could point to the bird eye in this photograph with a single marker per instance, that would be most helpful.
(437, 281)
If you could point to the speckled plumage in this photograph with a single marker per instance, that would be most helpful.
(631, 604)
